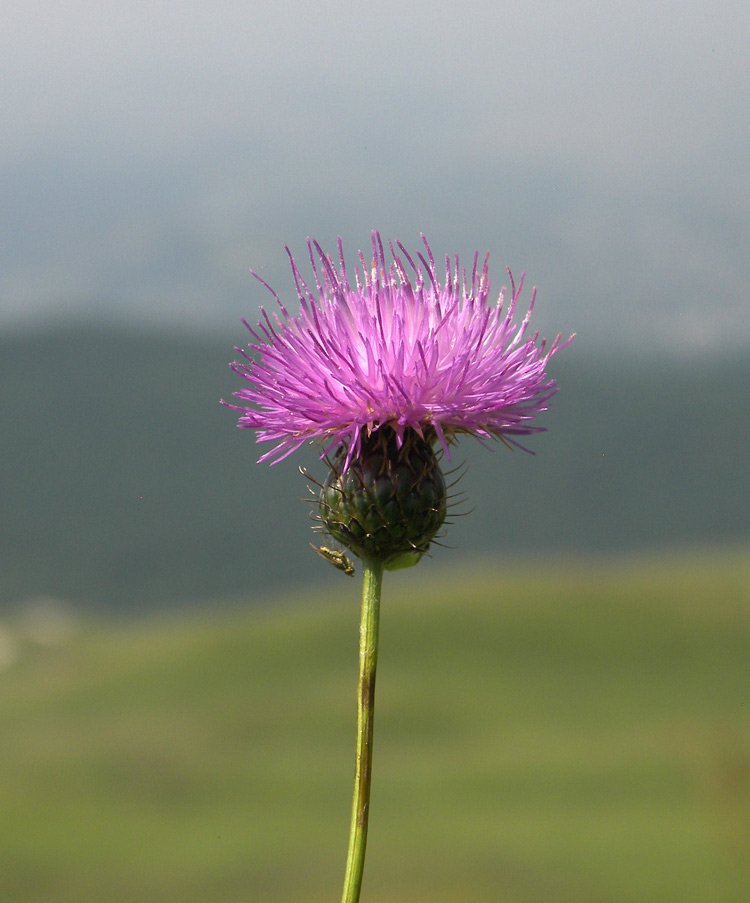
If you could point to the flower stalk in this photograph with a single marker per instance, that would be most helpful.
(368, 662)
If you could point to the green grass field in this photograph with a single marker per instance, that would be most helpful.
(549, 732)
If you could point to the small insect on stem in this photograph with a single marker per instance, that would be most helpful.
(336, 558)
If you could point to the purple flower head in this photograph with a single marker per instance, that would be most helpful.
(398, 349)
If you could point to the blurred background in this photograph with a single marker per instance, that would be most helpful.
(152, 155)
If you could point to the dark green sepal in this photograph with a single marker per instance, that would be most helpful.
(390, 502)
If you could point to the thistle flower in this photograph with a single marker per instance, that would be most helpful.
(382, 374)
(398, 350)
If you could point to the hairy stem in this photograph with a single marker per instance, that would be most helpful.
(368, 661)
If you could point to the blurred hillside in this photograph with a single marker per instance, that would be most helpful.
(125, 485)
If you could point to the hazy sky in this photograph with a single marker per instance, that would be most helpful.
(153, 153)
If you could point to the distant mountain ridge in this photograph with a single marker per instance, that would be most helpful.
(125, 485)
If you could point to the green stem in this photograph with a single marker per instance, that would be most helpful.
(368, 662)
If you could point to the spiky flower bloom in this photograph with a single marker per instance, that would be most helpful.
(384, 371)
(384, 374)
